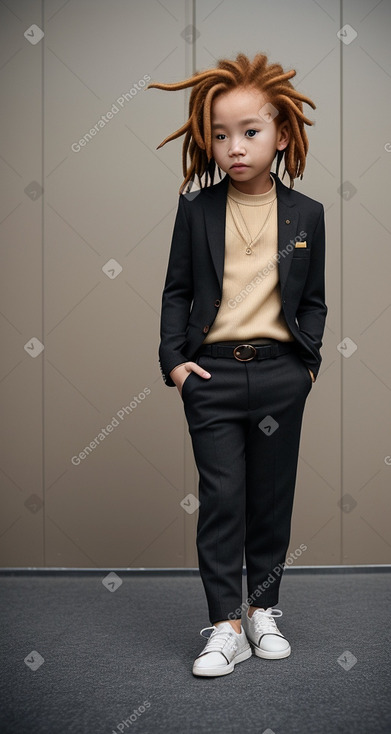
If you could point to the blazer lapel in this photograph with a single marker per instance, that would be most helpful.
(288, 221)
(215, 215)
(215, 218)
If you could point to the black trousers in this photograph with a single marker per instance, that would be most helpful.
(245, 424)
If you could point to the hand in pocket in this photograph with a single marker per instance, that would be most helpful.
(180, 374)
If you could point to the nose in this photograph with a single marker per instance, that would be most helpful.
(237, 146)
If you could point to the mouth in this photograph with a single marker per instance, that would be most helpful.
(239, 166)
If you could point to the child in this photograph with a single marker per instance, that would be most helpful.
(242, 321)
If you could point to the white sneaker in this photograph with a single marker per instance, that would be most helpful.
(264, 635)
(223, 650)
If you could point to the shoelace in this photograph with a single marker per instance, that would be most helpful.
(218, 639)
(264, 621)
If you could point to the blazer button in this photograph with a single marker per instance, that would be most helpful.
(205, 329)
(217, 303)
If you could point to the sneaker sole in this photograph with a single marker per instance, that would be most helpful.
(209, 672)
(271, 655)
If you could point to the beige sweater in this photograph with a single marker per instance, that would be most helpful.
(251, 299)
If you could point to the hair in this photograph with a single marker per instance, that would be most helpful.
(271, 80)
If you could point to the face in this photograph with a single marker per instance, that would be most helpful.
(246, 137)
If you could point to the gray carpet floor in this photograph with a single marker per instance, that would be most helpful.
(78, 658)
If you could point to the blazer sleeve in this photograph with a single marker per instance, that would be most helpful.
(312, 310)
(177, 296)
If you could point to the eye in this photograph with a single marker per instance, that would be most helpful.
(220, 136)
(251, 133)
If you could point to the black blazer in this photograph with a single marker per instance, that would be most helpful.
(193, 285)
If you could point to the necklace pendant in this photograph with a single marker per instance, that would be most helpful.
(249, 251)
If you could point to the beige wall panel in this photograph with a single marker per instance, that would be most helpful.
(366, 373)
(128, 491)
(21, 387)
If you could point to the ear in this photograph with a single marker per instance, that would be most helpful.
(283, 135)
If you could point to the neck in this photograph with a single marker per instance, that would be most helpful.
(256, 186)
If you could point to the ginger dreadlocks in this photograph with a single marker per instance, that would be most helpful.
(271, 80)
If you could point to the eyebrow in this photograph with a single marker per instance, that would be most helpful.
(249, 121)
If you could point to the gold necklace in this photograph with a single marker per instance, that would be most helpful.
(250, 244)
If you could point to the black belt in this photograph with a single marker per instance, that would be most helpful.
(247, 352)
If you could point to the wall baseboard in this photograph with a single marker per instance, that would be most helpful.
(58, 571)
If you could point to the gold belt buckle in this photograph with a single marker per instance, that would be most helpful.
(244, 352)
